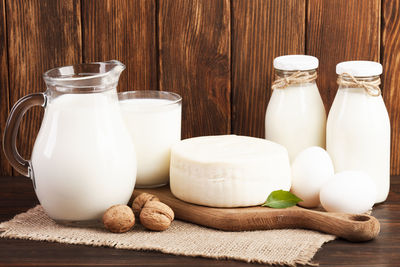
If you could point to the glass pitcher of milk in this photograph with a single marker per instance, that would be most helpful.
(295, 115)
(358, 128)
(83, 160)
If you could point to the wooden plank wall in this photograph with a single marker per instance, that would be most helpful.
(216, 53)
(122, 30)
(390, 58)
(195, 59)
(40, 35)
(262, 30)
(5, 168)
(338, 31)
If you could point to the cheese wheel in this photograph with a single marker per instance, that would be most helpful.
(228, 170)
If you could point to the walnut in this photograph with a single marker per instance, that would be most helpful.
(156, 216)
(141, 200)
(119, 218)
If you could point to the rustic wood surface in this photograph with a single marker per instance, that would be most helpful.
(41, 36)
(5, 168)
(122, 30)
(391, 78)
(17, 195)
(262, 30)
(216, 53)
(338, 31)
(194, 49)
(351, 227)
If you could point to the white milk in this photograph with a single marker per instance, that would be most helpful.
(296, 118)
(358, 136)
(154, 124)
(83, 158)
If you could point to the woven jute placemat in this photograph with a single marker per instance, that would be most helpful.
(286, 247)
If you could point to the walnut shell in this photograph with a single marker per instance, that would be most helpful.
(141, 200)
(119, 218)
(156, 216)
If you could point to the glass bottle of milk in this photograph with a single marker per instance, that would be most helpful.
(295, 116)
(358, 128)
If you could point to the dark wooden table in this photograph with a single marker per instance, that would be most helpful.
(17, 195)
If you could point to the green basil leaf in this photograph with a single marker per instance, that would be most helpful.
(281, 199)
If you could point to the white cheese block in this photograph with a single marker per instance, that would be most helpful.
(228, 170)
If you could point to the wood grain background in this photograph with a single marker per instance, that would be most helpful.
(216, 53)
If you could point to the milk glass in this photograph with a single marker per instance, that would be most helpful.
(154, 122)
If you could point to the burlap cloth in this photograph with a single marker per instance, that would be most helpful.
(286, 247)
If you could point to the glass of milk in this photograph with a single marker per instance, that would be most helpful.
(154, 122)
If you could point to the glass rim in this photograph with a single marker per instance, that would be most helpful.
(47, 76)
(149, 94)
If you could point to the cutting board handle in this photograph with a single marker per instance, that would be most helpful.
(353, 227)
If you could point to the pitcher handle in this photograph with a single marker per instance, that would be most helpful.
(19, 109)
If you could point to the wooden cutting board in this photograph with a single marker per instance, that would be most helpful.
(348, 226)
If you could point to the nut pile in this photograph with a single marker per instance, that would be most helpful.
(153, 214)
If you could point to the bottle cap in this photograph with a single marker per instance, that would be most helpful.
(359, 68)
(295, 62)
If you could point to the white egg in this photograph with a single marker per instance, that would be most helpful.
(311, 169)
(348, 192)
